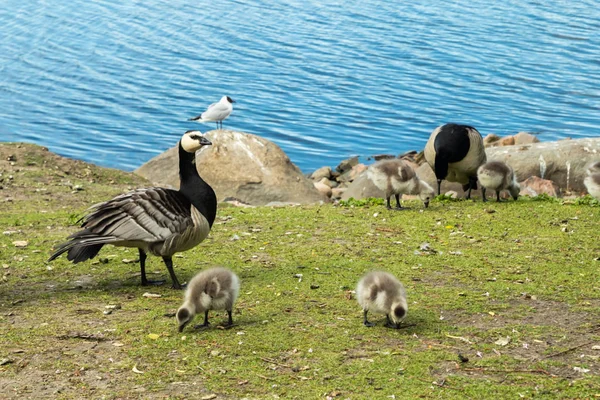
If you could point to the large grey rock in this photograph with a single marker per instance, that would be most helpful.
(562, 162)
(362, 187)
(241, 166)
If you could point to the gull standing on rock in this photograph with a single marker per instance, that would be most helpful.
(216, 112)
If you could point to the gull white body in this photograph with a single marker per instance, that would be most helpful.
(217, 112)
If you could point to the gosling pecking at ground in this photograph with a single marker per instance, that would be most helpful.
(498, 176)
(592, 180)
(216, 112)
(396, 177)
(155, 220)
(380, 292)
(212, 289)
(454, 152)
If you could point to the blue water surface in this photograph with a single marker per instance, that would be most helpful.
(114, 82)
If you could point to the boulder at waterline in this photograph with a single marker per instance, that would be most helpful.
(240, 165)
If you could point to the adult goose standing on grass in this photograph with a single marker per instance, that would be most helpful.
(155, 220)
(216, 112)
(455, 152)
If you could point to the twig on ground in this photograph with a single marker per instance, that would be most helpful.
(509, 371)
(271, 361)
(85, 336)
(570, 349)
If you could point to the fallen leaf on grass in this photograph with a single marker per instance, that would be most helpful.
(20, 243)
(137, 371)
(118, 344)
(152, 295)
(209, 397)
(153, 336)
(503, 341)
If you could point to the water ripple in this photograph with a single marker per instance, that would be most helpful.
(114, 83)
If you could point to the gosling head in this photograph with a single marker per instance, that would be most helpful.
(426, 193)
(193, 141)
(184, 317)
(398, 313)
(514, 190)
(593, 168)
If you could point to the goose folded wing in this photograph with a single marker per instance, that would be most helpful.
(147, 215)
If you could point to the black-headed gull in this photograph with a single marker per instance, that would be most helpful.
(216, 112)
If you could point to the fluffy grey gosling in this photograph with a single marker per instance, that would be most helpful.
(380, 292)
(395, 177)
(454, 152)
(592, 180)
(212, 289)
(498, 176)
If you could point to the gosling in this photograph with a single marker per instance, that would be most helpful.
(498, 176)
(396, 177)
(380, 292)
(212, 289)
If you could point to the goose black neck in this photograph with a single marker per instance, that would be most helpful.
(192, 186)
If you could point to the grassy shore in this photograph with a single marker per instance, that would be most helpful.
(504, 299)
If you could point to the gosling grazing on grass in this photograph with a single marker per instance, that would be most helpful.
(216, 112)
(396, 177)
(155, 220)
(454, 152)
(380, 292)
(212, 289)
(498, 176)
(592, 180)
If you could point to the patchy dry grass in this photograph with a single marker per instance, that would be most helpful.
(512, 287)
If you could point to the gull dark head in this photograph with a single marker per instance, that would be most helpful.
(229, 99)
(192, 141)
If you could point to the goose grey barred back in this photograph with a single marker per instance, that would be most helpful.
(155, 220)
(380, 292)
(592, 180)
(216, 112)
(593, 168)
(454, 152)
(396, 177)
(212, 289)
(498, 176)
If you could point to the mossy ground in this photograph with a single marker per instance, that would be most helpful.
(514, 287)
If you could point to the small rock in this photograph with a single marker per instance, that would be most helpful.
(322, 188)
(491, 140)
(323, 172)
(20, 243)
(507, 141)
(314, 286)
(525, 138)
(347, 164)
(534, 186)
(152, 295)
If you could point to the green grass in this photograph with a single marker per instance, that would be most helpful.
(474, 272)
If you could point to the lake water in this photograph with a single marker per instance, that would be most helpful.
(114, 82)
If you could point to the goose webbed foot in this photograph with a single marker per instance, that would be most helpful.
(204, 325)
(390, 324)
(365, 321)
(146, 282)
